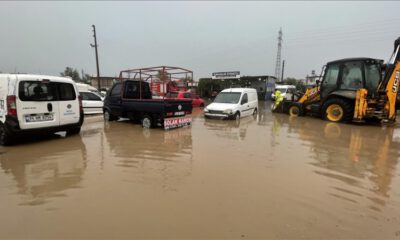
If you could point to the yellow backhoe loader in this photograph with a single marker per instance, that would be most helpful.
(355, 89)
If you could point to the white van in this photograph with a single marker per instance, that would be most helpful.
(233, 103)
(92, 103)
(287, 91)
(38, 104)
(92, 99)
(83, 87)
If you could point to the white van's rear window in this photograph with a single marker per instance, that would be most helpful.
(66, 91)
(46, 91)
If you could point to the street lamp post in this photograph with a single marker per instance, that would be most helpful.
(97, 57)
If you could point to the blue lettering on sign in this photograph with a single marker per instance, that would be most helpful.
(69, 112)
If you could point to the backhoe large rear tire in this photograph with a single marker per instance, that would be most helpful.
(338, 110)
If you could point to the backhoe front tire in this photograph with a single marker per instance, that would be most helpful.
(337, 110)
(296, 109)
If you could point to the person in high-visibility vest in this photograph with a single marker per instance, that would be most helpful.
(278, 98)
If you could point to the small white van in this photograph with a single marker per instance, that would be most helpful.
(38, 104)
(92, 102)
(92, 99)
(83, 87)
(233, 103)
(287, 91)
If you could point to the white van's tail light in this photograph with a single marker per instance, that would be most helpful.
(12, 105)
(80, 103)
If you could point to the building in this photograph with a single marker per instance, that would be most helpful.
(311, 79)
(264, 84)
(105, 82)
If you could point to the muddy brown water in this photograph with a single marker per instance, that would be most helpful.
(269, 177)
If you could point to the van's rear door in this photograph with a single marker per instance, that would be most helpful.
(37, 105)
(69, 103)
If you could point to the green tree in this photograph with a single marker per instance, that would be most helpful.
(163, 76)
(73, 73)
(300, 86)
(86, 78)
(207, 86)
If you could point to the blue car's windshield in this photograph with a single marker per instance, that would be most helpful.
(228, 97)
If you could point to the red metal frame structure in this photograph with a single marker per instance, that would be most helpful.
(158, 75)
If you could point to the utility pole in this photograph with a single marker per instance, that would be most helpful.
(97, 56)
(283, 68)
(278, 56)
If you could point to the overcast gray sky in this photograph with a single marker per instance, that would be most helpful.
(45, 37)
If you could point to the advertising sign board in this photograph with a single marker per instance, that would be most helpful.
(226, 75)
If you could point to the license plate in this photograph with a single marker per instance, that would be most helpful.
(39, 117)
(170, 123)
(179, 113)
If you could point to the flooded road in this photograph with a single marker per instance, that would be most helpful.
(270, 177)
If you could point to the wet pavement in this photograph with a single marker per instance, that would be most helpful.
(269, 177)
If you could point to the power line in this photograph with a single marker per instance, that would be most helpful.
(352, 27)
(369, 33)
(337, 39)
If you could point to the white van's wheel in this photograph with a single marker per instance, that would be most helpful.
(147, 122)
(5, 136)
(255, 113)
(237, 116)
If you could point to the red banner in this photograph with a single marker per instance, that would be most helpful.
(176, 122)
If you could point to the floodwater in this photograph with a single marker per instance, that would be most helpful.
(270, 177)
